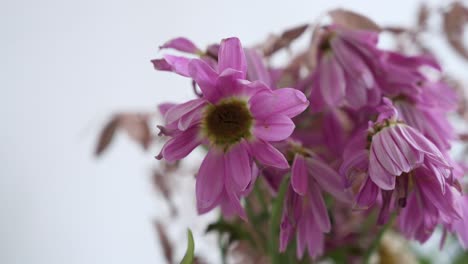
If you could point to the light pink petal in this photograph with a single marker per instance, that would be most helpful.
(178, 64)
(319, 209)
(301, 234)
(412, 156)
(378, 174)
(205, 77)
(299, 175)
(275, 128)
(285, 101)
(210, 181)
(461, 226)
(231, 206)
(411, 217)
(181, 44)
(176, 112)
(328, 179)
(268, 155)
(190, 118)
(394, 152)
(332, 80)
(256, 70)
(238, 168)
(231, 55)
(181, 145)
(162, 108)
(377, 147)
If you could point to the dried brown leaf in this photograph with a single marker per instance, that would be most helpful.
(286, 38)
(165, 243)
(134, 124)
(455, 20)
(423, 16)
(352, 20)
(106, 136)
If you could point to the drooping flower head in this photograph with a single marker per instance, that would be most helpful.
(387, 154)
(235, 118)
(347, 69)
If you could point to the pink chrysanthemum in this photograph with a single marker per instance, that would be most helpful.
(235, 118)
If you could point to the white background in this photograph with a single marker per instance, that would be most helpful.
(65, 66)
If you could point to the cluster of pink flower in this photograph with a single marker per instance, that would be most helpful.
(366, 128)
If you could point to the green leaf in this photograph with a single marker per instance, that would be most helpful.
(189, 254)
(276, 210)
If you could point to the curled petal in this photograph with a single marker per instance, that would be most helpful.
(378, 174)
(178, 111)
(181, 44)
(205, 77)
(286, 101)
(180, 145)
(231, 56)
(172, 63)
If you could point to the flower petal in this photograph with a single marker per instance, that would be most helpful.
(238, 167)
(299, 175)
(231, 56)
(368, 194)
(210, 181)
(275, 128)
(378, 174)
(319, 209)
(268, 155)
(205, 77)
(178, 111)
(181, 44)
(328, 179)
(332, 80)
(181, 145)
(177, 64)
(285, 101)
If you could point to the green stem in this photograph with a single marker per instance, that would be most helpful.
(276, 210)
(375, 244)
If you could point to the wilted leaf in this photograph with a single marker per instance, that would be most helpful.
(136, 126)
(286, 38)
(190, 253)
(454, 24)
(106, 135)
(352, 20)
(423, 16)
(166, 245)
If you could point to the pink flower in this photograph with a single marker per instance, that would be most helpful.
(305, 211)
(347, 69)
(386, 160)
(235, 118)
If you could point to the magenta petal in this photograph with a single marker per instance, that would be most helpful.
(210, 181)
(205, 77)
(299, 175)
(268, 155)
(275, 128)
(164, 107)
(319, 209)
(395, 153)
(238, 168)
(177, 111)
(378, 174)
(285, 101)
(328, 179)
(256, 70)
(368, 194)
(332, 80)
(181, 44)
(384, 158)
(178, 64)
(315, 241)
(301, 237)
(231, 56)
(181, 145)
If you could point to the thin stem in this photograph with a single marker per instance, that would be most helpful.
(276, 211)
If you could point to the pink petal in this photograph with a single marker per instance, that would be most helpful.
(328, 179)
(286, 101)
(411, 155)
(205, 77)
(378, 174)
(378, 147)
(231, 206)
(231, 56)
(368, 194)
(181, 145)
(181, 44)
(301, 237)
(268, 155)
(176, 112)
(319, 209)
(315, 241)
(332, 80)
(299, 175)
(257, 70)
(275, 128)
(178, 64)
(162, 108)
(238, 168)
(210, 181)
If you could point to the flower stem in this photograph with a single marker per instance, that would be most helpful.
(276, 210)
(375, 244)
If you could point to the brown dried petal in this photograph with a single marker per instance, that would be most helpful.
(423, 16)
(352, 20)
(286, 38)
(106, 136)
(454, 23)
